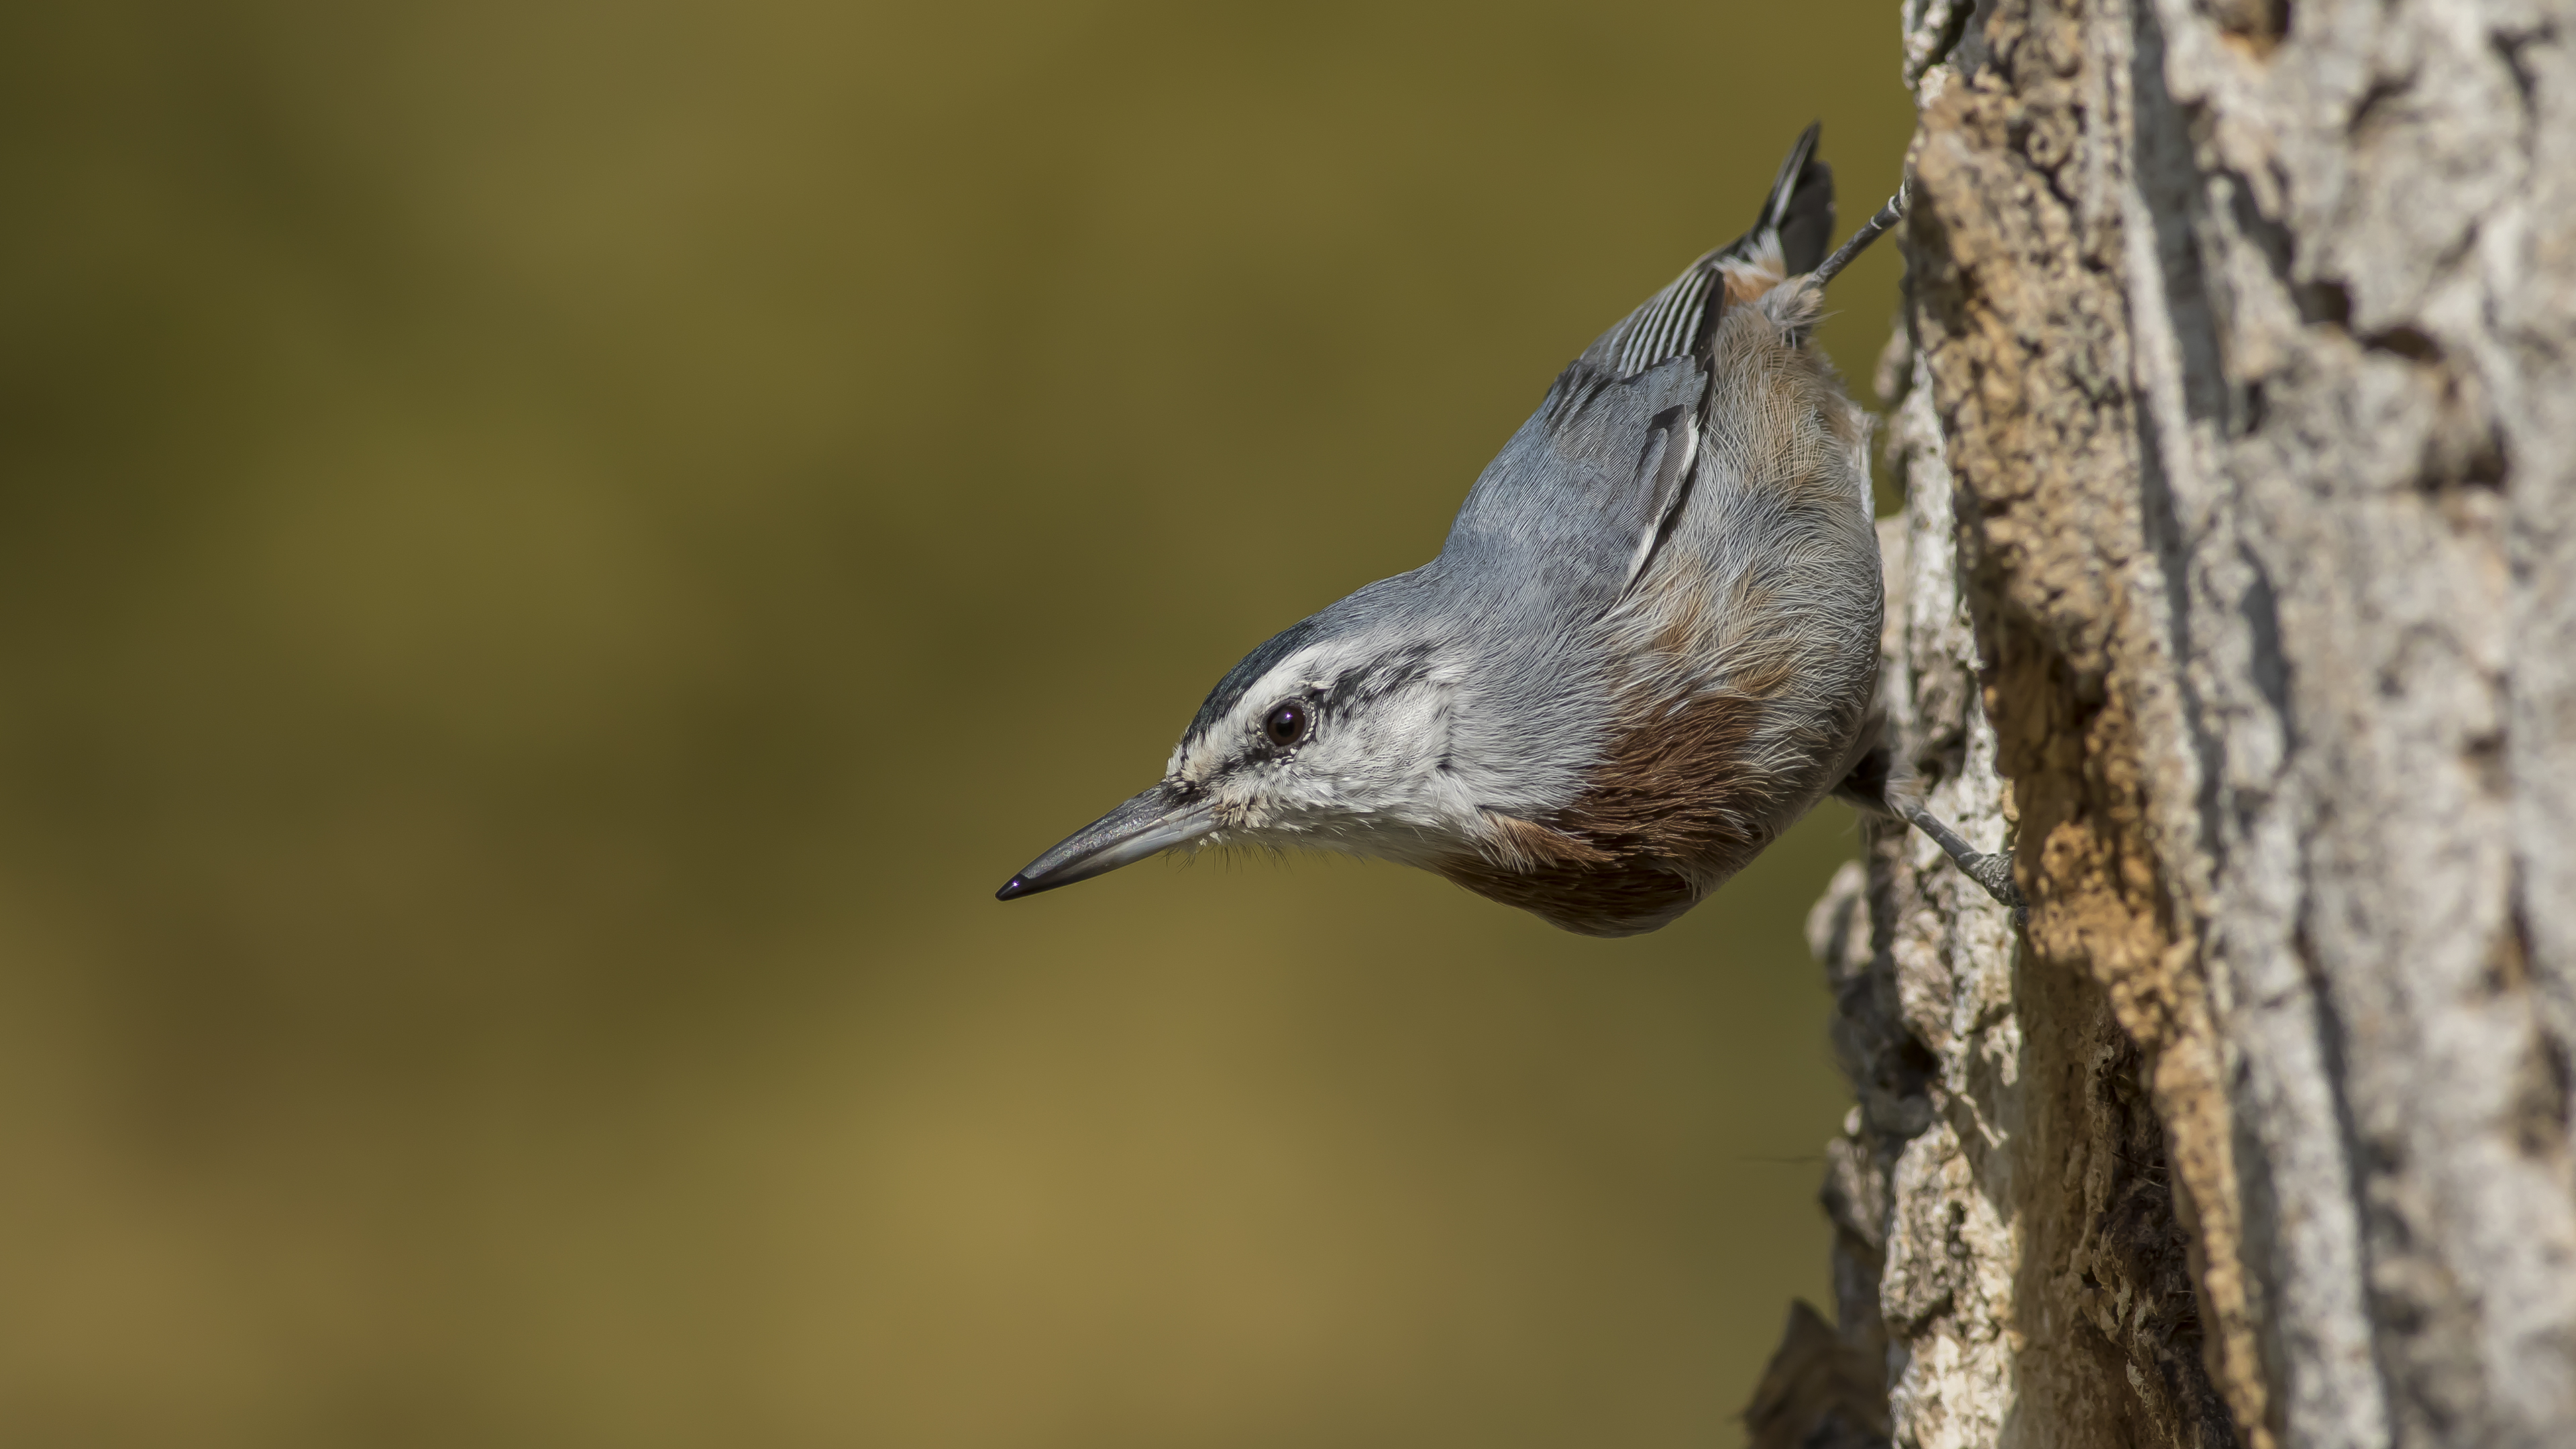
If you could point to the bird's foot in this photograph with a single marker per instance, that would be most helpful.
(1992, 873)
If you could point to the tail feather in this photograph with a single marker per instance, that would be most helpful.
(1788, 238)
(1801, 205)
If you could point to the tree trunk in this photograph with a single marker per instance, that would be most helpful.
(2236, 591)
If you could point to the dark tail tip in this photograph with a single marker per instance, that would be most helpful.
(1801, 205)
(1013, 889)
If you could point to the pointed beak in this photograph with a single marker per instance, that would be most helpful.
(1156, 820)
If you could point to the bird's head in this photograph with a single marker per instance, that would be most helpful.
(1355, 731)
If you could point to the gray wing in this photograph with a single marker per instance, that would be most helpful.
(1581, 495)
(1577, 500)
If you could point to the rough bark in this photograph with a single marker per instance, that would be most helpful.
(2236, 590)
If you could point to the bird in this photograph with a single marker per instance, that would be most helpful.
(1648, 645)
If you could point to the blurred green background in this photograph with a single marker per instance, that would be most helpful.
(553, 554)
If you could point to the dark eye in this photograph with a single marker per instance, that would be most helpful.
(1287, 723)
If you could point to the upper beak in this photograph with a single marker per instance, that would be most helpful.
(1156, 820)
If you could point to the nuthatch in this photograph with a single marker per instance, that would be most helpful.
(1648, 646)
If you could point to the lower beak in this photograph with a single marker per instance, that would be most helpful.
(1154, 821)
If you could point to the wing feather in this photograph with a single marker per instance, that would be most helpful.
(1583, 493)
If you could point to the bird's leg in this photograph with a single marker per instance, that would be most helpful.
(1993, 872)
(1870, 230)
(1873, 784)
